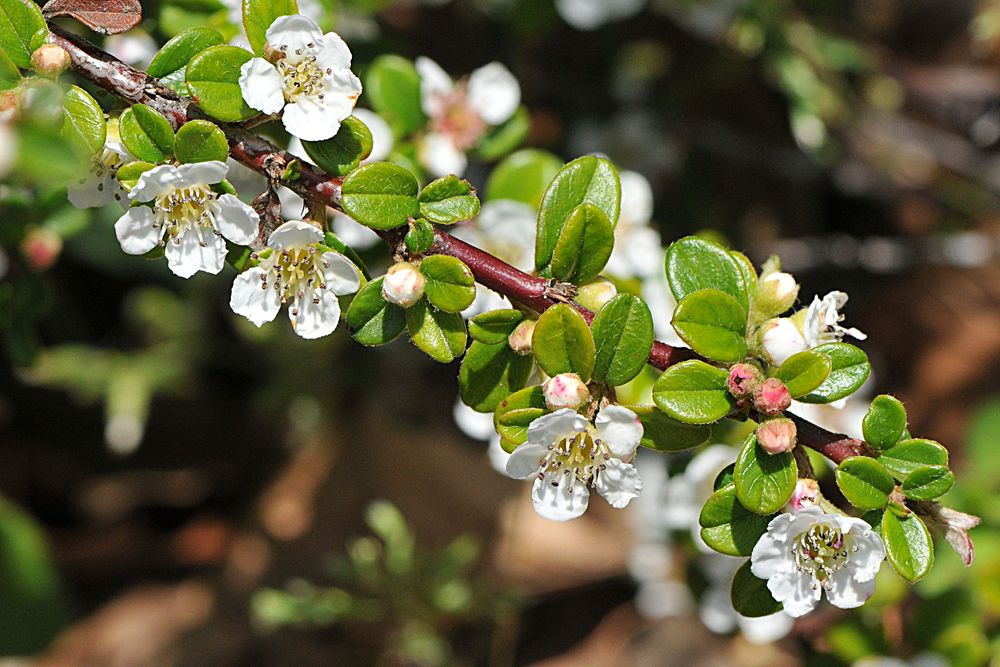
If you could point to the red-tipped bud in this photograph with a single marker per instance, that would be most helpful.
(743, 379)
(50, 60)
(565, 390)
(806, 494)
(771, 397)
(41, 248)
(403, 284)
(520, 338)
(776, 435)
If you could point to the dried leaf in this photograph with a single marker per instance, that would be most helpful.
(108, 17)
(953, 524)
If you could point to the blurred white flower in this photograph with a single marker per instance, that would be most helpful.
(9, 143)
(592, 14)
(919, 660)
(311, 9)
(686, 493)
(479, 426)
(135, 47)
(100, 186)
(638, 251)
(715, 608)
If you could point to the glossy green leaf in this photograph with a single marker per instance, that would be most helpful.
(439, 334)
(583, 246)
(713, 323)
(448, 200)
(885, 422)
(905, 457)
(19, 21)
(694, 264)
(178, 51)
(146, 134)
(864, 482)
(750, 595)
(764, 482)
(693, 392)
(729, 527)
(10, 76)
(664, 434)
(258, 15)
(83, 119)
(804, 372)
(515, 413)
(562, 342)
(928, 482)
(725, 477)
(586, 180)
(128, 174)
(372, 319)
(747, 269)
(380, 195)
(490, 373)
(449, 283)
(505, 138)
(343, 152)
(392, 87)
(494, 326)
(908, 545)
(420, 237)
(623, 337)
(213, 76)
(849, 370)
(523, 176)
(200, 141)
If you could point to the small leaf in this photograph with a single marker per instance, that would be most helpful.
(258, 15)
(178, 52)
(908, 545)
(849, 370)
(523, 176)
(449, 283)
(147, 134)
(750, 595)
(10, 76)
(448, 200)
(664, 434)
(804, 372)
(562, 342)
(885, 422)
(908, 455)
(420, 237)
(928, 482)
(129, 174)
(439, 334)
(108, 17)
(392, 87)
(864, 482)
(495, 326)
(515, 413)
(764, 482)
(372, 319)
(693, 392)
(214, 79)
(490, 373)
(200, 141)
(727, 526)
(505, 138)
(380, 195)
(83, 120)
(623, 336)
(19, 21)
(583, 246)
(343, 152)
(694, 264)
(713, 323)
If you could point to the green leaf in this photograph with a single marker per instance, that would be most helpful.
(928, 482)
(449, 283)
(200, 141)
(725, 477)
(213, 76)
(380, 195)
(83, 119)
(885, 422)
(864, 482)
(258, 15)
(849, 370)
(505, 138)
(19, 21)
(747, 269)
(515, 413)
(129, 174)
(343, 152)
(448, 200)
(908, 455)
(804, 372)
(490, 373)
(713, 323)
(693, 392)
(146, 134)
(908, 545)
(583, 246)
(750, 595)
(694, 264)
(523, 176)
(586, 180)
(623, 336)
(420, 236)
(10, 76)
(178, 52)
(495, 326)
(729, 527)
(562, 342)
(392, 87)
(764, 482)
(439, 334)
(372, 319)
(664, 434)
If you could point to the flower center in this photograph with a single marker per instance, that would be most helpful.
(821, 551)
(580, 457)
(303, 77)
(181, 209)
(296, 274)
(459, 120)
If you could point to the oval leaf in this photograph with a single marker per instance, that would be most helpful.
(908, 545)
(694, 264)
(523, 176)
(213, 76)
(448, 200)
(392, 86)
(372, 319)
(146, 134)
(885, 422)
(83, 120)
(750, 595)
(19, 21)
(764, 482)
(848, 371)
(128, 174)
(864, 482)
(928, 482)
(562, 342)
(200, 141)
(583, 246)
(439, 334)
(449, 283)
(109, 17)
(713, 323)
(515, 413)
(729, 527)
(804, 372)
(490, 373)
(495, 326)
(178, 52)
(344, 151)
(623, 337)
(908, 455)
(258, 15)
(380, 195)
(693, 392)
(664, 434)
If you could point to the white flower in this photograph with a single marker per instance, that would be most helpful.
(479, 426)
(566, 455)
(187, 216)
(685, 494)
(638, 252)
(461, 113)
(822, 321)
(135, 47)
(312, 81)
(100, 186)
(715, 607)
(312, 9)
(592, 14)
(780, 339)
(803, 554)
(295, 271)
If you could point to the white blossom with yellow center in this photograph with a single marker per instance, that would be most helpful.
(100, 186)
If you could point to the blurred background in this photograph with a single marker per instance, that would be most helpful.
(180, 488)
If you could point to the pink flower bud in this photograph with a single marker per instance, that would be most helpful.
(780, 339)
(403, 284)
(776, 435)
(520, 339)
(776, 293)
(565, 390)
(50, 60)
(805, 495)
(41, 248)
(743, 379)
(771, 397)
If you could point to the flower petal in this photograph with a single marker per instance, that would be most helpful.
(189, 256)
(494, 93)
(341, 277)
(200, 173)
(309, 120)
(796, 591)
(620, 429)
(261, 86)
(236, 220)
(439, 155)
(135, 230)
(289, 34)
(332, 51)
(315, 320)
(866, 560)
(249, 299)
(559, 498)
(294, 234)
(552, 428)
(93, 191)
(434, 85)
(618, 483)
(524, 461)
(155, 182)
(341, 92)
(846, 592)
(766, 629)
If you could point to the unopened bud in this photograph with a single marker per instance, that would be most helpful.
(520, 338)
(771, 397)
(8, 106)
(594, 294)
(776, 293)
(776, 435)
(41, 248)
(806, 494)
(50, 60)
(565, 390)
(743, 379)
(780, 339)
(403, 284)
